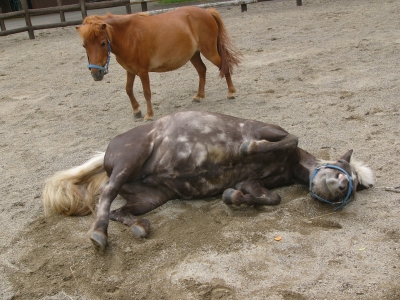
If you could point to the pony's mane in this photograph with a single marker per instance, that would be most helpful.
(92, 27)
(364, 173)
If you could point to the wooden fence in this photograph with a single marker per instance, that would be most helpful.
(83, 7)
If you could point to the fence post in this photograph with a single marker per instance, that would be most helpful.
(299, 2)
(143, 4)
(128, 9)
(28, 19)
(2, 24)
(83, 9)
(62, 15)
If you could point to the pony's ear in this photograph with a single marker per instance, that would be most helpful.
(78, 27)
(347, 155)
(103, 26)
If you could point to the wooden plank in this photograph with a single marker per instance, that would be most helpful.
(106, 4)
(54, 10)
(13, 31)
(12, 14)
(206, 5)
(56, 25)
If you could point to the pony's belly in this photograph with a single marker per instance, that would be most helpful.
(190, 188)
(170, 65)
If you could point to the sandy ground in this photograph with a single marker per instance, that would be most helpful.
(327, 72)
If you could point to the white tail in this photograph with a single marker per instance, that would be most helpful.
(73, 192)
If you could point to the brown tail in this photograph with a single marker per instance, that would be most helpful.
(230, 55)
(73, 192)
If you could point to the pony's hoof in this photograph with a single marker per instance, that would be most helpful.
(141, 228)
(99, 240)
(227, 196)
(197, 98)
(230, 97)
(148, 118)
(137, 115)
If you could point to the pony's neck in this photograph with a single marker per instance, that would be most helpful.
(307, 164)
(118, 32)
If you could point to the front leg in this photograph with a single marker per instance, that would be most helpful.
(250, 193)
(130, 79)
(144, 77)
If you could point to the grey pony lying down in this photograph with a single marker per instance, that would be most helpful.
(193, 155)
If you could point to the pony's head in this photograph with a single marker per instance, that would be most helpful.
(335, 182)
(96, 39)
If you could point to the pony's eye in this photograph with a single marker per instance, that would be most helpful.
(103, 44)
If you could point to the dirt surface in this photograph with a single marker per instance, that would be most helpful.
(327, 72)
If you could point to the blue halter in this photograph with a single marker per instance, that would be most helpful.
(342, 203)
(105, 69)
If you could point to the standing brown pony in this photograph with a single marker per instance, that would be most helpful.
(160, 43)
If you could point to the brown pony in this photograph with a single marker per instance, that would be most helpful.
(160, 43)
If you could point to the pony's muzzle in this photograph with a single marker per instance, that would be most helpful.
(98, 74)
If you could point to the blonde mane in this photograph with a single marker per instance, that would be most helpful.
(94, 26)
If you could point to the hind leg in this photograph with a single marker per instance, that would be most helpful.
(98, 232)
(251, 193)
(140, 200)
(214, 57)
(231, 88)
(201, 70)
